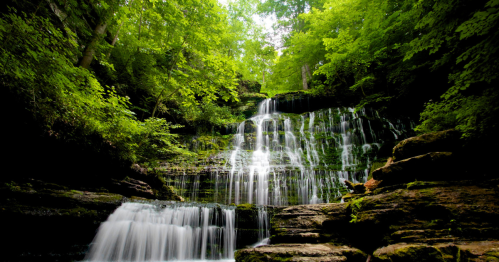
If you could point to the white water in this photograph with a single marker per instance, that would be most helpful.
(144, 232)
(275, 159)
(290, 159)
(283, 163)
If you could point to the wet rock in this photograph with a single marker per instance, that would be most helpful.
(301, 252)
(300, 102)
(432, 166)
(304, 223)
(349, 196)
(430, 212)
(459, 251)
(247, 223)
(419, 212)
(443, 141)
(133, 187)
(358, 188)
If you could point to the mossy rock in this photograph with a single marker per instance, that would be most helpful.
(300, 252)
(442, 141)
(446, 252)
(376, 165)
(408, 253)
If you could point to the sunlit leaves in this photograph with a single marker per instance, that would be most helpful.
(62, 94)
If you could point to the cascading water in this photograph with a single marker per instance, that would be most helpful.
(302, 159)
(145, 232)
(275, 159)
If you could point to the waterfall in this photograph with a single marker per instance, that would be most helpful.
(274, 159)
(145, 232)
(290, 159)
(303, 159)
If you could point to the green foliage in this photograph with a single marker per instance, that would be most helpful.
(174, 55)
(355, 207)
(210, 114)
(468, 45)
(37, 64)
(439, 57)
(155, 63)
(12, 186)
(253, 52)
(300, 53)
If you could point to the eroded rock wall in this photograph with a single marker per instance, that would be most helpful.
(416, 216)
(420, 208)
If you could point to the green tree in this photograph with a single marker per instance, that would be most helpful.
(166, 58)
(463, 37)
(297, 60)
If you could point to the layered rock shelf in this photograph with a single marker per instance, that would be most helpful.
(302, 252)
(406, 223)
(420, 207)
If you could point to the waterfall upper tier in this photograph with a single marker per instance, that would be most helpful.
(285, 159)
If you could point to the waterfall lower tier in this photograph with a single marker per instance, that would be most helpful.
(185, 232)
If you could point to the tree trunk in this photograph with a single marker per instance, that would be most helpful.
(140, 25)
(309, 74)
(58, 12)
(89, 52)
(304, 77)
(115, 38)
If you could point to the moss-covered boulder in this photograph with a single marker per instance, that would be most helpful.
(443, 141)
(432, 166)
(357, 188)
(483, 251)
(300, 252)
(426, 212)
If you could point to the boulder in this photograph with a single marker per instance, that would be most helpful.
(443, 141)
(301, 252)
(430, 212)
(133, 187)
(358, 188)
(372, 184)
(434, 166)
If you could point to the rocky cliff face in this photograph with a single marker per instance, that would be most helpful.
(439, 217)
(49, 222)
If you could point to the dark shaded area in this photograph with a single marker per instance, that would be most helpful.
(299, 102)
(83, 162)
(44, 222)
(31, 152)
